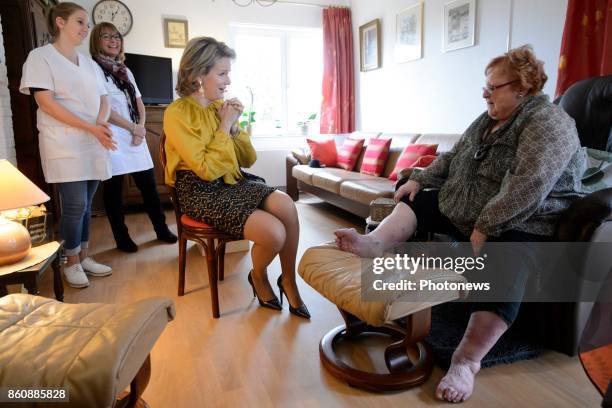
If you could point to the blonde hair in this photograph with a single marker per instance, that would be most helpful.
(522, 62)
(95, 40)
(200, 55)
(63, 11)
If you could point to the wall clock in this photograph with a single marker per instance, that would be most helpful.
(115, 12)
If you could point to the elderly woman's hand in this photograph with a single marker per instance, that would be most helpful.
(477, 239)
(411, 188)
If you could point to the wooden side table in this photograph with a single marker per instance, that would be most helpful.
(29, 276)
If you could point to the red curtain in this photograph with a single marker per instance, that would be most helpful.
(338, 106)
(586, 48)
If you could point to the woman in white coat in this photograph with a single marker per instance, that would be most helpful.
(74, 137)
(132, 156)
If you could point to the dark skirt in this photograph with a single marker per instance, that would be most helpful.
(224, 206)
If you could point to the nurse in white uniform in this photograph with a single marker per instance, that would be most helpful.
(128, 125)
(74, 136)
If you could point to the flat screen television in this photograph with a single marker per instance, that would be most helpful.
(153, 77)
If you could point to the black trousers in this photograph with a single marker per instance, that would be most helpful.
(113, 202)
(431, 220)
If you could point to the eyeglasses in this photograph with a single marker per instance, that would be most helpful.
(491, 88)
(108, 37)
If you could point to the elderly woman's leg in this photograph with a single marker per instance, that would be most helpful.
(268, 235)
(281, 206)
(399, 226)
(481, 334)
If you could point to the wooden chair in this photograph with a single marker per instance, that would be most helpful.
(212, 241)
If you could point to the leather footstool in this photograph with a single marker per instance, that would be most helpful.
(336, 275)
(93, 350)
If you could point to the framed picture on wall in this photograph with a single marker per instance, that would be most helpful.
(175, 33)
(409, 34)
(369, 45)
(459, 24)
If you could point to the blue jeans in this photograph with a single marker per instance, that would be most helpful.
(75, 200)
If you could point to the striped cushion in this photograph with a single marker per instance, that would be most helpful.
(349, 153)
(375, 157)
(410, 155)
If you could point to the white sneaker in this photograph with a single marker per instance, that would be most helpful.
(75, 276)
(93, 268)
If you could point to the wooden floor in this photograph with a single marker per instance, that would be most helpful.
(258, 357)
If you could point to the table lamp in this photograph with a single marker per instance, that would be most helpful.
(16, 191)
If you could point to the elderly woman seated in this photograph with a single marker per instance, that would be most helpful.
(513, 172)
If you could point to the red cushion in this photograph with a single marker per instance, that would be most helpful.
(190, 222)
(323, 151)
(424, 161)
(410, 155)
(375, 157)
(349, 153)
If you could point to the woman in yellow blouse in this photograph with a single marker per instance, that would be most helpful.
(205, 150)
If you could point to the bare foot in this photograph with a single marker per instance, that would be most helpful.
(458, 383)
(364, 246)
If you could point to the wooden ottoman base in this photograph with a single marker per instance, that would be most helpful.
(404, 372)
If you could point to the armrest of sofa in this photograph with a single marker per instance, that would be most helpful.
(584, 216)
(300, 155)
(291, 182)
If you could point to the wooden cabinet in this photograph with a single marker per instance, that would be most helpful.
(154, 125)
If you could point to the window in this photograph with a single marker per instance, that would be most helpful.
(282, 68)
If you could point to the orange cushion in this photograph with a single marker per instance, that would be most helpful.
(598, 365)
(412, 154)
(190, 222)
(325, 152)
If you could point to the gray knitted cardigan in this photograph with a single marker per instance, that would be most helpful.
(529, 175)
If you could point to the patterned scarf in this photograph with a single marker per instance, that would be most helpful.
(117, 71)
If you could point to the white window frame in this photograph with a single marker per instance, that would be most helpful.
(283, 31)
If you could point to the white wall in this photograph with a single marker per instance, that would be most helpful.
(7, 141)
(442, 92)
(205, 18)
(212, 18)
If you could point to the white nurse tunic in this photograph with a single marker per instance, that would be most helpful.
(67, 153)
(127, 158)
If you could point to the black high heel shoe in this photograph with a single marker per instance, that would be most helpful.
(301, 310)
(272, 303)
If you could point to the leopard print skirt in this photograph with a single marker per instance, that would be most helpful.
(224, 206)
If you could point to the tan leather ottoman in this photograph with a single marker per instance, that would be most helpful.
(92, 350)
(406, 318)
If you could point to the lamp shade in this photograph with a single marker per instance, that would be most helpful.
(16, 190)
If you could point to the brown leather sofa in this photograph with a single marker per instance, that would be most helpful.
(351, 190)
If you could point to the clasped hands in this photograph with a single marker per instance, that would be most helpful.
(411, 188)
(229, 113)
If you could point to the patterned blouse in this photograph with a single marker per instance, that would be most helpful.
(529, 171)
(195, 142)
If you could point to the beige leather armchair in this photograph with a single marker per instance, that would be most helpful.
(94, 351)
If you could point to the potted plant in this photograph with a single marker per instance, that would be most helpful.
(303, 125)
(248, 117)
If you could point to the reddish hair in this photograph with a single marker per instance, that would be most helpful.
(522, 62)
